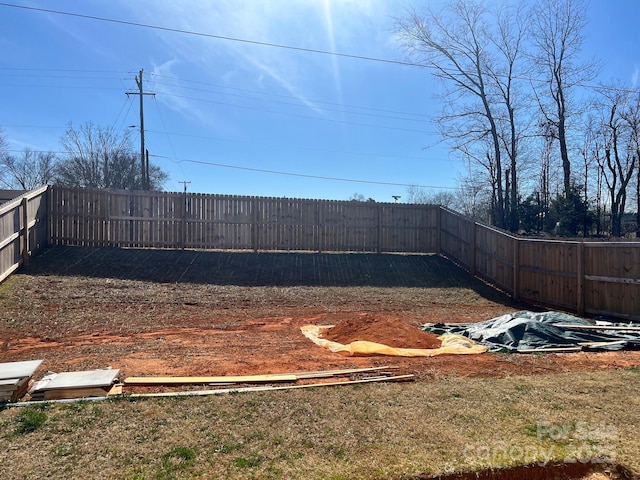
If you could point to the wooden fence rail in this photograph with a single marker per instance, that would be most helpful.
(597, 278)
(176, 220)
(23, 229)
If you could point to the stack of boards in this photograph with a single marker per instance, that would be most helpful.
(15, 378)
(60, 386)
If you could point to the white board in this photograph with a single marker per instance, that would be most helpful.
(18, 369)
(86, 379)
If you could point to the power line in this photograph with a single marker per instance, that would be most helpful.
(216, 102)
(296, 147)
(205, 137)
(74, 87)
(210, 35)
(275, 45)
(84, 70)
(272, 172)
(280, 102)
(304, 175)
(310, 100)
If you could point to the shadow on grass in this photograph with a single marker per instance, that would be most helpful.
(259, 269)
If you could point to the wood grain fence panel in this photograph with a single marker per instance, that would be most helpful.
(548, 272)
(456, 233)
(38, 228)
(612, 279)
(10, 241)
(494, 256)
(412, 228)
(360, 224)
(599, 277)
(23, 229)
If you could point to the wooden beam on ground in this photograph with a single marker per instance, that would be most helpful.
(270, 378)
(336, 373)
(231, 379)
(597, 327)
(550, 350)
(267, 388)
(75, 393)
(601, 344)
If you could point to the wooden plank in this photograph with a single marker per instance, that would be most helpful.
(65, 393)
(116, 390)
(597, 327)
(601, 344)
(10, 384)
(550, 350)
(268, 388)
(280, 377)
(335, 373)
(214, 379)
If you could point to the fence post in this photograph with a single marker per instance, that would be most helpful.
(516, 269)
(580, 280)
(472, 247)
(379, 228)
(254, 224)
(318, 229)
(438, 230)
(25, 232)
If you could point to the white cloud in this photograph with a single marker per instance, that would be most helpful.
(347, 26)
(634, 77)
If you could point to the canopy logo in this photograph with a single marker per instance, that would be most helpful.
(569, 443)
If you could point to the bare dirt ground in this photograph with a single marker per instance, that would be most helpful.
(150, 312)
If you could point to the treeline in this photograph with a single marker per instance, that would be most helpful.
(546, 148)
(90, 156)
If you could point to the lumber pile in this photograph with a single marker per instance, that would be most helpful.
(15, 378)
(90, 383)
(236, 384)
(96, 384)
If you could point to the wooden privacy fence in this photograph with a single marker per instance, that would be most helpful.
(177, 220)
(598, 278)
(23, 229)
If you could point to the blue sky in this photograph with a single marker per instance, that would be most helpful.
(227, 113)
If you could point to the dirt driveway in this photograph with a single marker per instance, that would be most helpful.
(151, 312)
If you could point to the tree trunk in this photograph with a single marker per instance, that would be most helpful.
(564, 155)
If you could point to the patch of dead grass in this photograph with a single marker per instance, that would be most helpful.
(373, 431)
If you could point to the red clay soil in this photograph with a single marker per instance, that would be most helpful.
(93, 316)
(201, 346)
(371, 328)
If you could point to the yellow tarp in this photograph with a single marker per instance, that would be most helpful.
(451, 344)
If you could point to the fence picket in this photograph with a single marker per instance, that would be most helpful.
(592, 277)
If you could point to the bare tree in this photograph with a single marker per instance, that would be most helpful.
(474, 198)
(477, 63)
(557, 27)
(29, 171)
(508, 40)
(618, 147)
(430, 197)
(100, 157)
(3, 142)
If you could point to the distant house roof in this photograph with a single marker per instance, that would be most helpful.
(6, 195)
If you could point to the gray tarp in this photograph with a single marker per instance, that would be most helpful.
(526, 331)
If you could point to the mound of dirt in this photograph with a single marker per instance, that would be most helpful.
(392, 332)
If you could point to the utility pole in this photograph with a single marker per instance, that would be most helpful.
(185, 185)
(144, 166)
